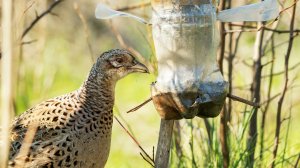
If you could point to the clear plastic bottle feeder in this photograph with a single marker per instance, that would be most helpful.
(189, 82)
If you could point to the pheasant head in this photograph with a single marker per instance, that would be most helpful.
(116, 64)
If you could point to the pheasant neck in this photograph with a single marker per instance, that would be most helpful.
(98, 93)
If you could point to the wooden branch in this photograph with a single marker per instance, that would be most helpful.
(39, 17)
(164, 143)
(236, 98)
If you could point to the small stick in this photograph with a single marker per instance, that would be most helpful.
(139, 106)
(233, 97)
(38, 17)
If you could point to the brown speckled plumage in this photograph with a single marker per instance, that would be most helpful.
(74, 130)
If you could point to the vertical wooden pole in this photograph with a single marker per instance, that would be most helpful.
(164, 143)
(6, 80)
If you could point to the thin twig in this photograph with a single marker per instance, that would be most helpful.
(264, 26)
(86, 30)
(147, 160)
(30, 5)
(139, 106)
(270, 99)
(282, 72)
(132, 50)
(136, 6)
(236, 98)
(297, 161)
(134, 139)
(286, 79)
(38, 17)
(29, 42)
(282, 43)
(153, 152)
(264, 112)
(278, 94)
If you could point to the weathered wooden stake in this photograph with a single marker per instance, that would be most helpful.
(6, 79)
(164, 143)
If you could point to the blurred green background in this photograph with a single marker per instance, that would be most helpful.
(58, 59)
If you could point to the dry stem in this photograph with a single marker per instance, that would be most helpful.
(137, 143)
(286, 78)
(136, 6)
(86, 30)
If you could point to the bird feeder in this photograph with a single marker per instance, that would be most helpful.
(189, 82)
(185, 35)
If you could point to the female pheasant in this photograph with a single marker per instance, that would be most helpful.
(74, 130)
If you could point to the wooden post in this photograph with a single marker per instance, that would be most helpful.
(164, 143)
(6, 80)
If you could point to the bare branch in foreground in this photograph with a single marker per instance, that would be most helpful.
(39, 17)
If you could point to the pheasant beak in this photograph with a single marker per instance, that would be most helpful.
(139, 67)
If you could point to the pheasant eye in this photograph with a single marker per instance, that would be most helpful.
(119, 60)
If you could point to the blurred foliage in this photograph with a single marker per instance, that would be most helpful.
(58, 60)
